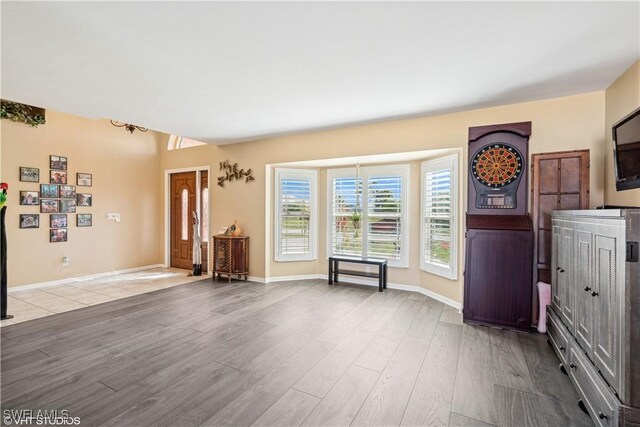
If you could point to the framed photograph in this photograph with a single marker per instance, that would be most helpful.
(29, 220)
(49, 191)
(67, 191)
(67, 206)
(223, 231)
(58, 177)
(85, 199)
(84, 179)
(57, 235)
(29, 198)
(58, 163)
(58, 221)
(84, 220)
(48, 206)
(29, 174)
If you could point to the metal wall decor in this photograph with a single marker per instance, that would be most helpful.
(232, 173)
(128, 126)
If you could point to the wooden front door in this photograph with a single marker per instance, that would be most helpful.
(183, 203)
(204, 219)
(560, 181)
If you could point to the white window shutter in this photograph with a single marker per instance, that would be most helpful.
(296, 215)
(439, 214)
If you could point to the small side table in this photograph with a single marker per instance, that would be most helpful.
(230, 257)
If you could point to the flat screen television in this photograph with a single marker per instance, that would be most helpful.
(626, 151)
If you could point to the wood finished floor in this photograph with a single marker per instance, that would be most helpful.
(291, 353)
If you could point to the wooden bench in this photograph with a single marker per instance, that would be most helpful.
(335, 270)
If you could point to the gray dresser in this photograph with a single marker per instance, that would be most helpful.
(594, 316)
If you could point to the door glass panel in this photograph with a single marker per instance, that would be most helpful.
(184, 199)
(205, 214)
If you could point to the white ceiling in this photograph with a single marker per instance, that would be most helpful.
(225, 72)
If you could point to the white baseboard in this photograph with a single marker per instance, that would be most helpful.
(41, 285)
(398, 286)
(298, 277)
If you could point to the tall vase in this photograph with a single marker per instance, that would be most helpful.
(3, 265)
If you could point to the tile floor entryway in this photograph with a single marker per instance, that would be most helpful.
(78, 293)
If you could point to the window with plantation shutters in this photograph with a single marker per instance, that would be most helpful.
(345, 233)
(372, 221)
(439, 216)
(296, 217)
(384, 198)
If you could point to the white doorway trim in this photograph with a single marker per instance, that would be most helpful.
(167, 209)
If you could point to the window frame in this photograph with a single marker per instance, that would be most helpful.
(404, 170)
(452, 163)
(312, 176)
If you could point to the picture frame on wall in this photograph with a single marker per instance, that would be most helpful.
(58, 177)
(85, 199)
(49, 191)
(67, 191)
(67, 206)
(58, 221)
(84, 179)
(29, 198)
(48, 206)
(84, 220)
(58, 163)
(57, 235)
(29, 174)
(29, 220)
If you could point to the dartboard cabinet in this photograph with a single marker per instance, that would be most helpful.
(499, 236)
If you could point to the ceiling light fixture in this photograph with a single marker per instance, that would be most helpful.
(128, 127)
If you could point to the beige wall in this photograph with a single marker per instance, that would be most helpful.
(129, 170)
(621, 98)
(125, 170)
(559, 124)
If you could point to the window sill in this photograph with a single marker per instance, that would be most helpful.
(296, 260)
(444, 275)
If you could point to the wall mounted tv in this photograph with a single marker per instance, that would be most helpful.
(626, 151)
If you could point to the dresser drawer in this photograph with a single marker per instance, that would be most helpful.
(595, 393)
(558, 335)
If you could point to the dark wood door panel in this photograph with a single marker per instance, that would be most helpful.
(570, 175)
(181, 236)
(548, 203)
(569, 202)
(548, 176)
(544, 247)
(497, 288)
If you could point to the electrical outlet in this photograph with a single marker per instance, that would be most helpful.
(65, 261)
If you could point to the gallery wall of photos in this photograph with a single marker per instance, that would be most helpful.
(57, 197)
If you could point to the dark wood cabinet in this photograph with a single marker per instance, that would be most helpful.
(498, 270)
(499, 237)
(560, 181)
(230, 257)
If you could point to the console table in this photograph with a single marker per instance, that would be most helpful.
(335, 270)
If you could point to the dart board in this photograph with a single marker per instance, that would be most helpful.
(498, 169)
(497, 165)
